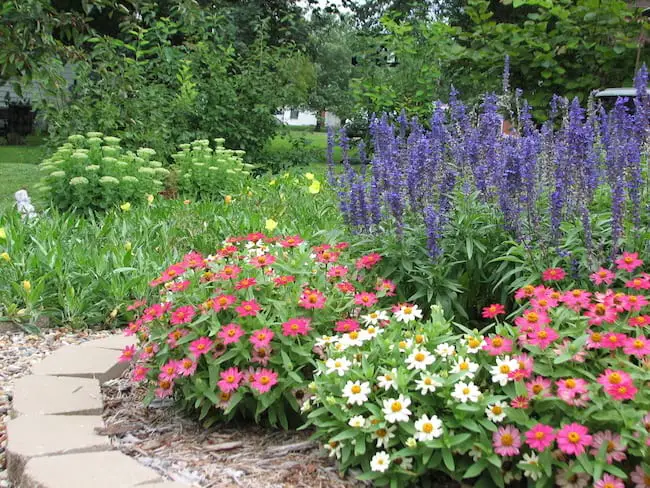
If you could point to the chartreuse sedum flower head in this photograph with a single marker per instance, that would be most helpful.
(128, 246)
(94, 134)
(108, 181)
(92, 168)
(109, 160)
(112, 141)
(79, 180)
(126, 206)
(3, 234)
(76, 138)
(94, 141)
(47, 168)
(161, 171)
(58, 174)
(146, 170)
(122, 164)
(129, 179)
(79, 156)
(111, 150)
(155, 164)
(146, 152)
(310, 176)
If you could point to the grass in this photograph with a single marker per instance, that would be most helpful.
(284, 143)
(18, 169)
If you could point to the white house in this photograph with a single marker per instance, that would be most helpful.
(294, 116)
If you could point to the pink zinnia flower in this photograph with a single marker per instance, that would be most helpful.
(264, 379)
(248, 308)
(291, 241)
(136, 305)
(294, 327)
(542, 337)
(635, 303)
(599, 313)
(497, 345)
(148, 351)
(623, 391)
(637, 346)
(526, 292)
(263, 260)
(128, 354)
(173, 272)
(165, 388)
(640, 477)
(283, 280)
(539, 386)
(615, 451)
(230, 333)
(365, 299)
(337, 272)
(194, 260)
(133, 328)
(595, 340)
(553, 274)
(540, 437)
(178, 286)
(327, 256)
(387, 286)
(200, 346)
(543, 304)
(638, 283)
(182, 315)
(186, 366)
(573, 439)
(229, 272)
(346, 325)
(576, 299)
(245, 283)
(368, 261)
(609, 481)
(140, 373)
(506, 441)
(525, 368)
(175, 335)
(341, 246)
(261, 337)
(230, 379)
(639, 321)
(346, 287)
(520, 402)
(312, 299)
(223, 302)
(629, 261)
(614, 340)
(532, 318)
(169, 370)
(602, 276)
(261, 355)
(568, 389)
(493, 310)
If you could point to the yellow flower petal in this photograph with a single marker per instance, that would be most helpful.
(309, 176)
(270, 225)
(126, 206)
(314, 187)
(3, 234)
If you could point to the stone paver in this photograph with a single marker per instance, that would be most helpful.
(83, 362)
(116, 342)
(110, 469)
(32, 436)
(50, 395)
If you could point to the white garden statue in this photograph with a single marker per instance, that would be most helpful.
(24, 204)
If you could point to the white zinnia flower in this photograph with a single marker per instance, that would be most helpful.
(407, 463)
(501, 372)
(566, 479)
(444, 350)
(373, 318)
(396, 409)
(464, 392)
(411, 442)
(322, 341)
(407, 313)
(388, 380)
(370, 333)
(419, 359)
(352, 339)
(384, 435)
(496, 412)
(380, 462)
(428, 428)
(402, 345)
(356, 392)
(333, 449)
(531, 471)
(358, 421)
(473, 344)
(427, 384)
(340, 366)
(465, 366)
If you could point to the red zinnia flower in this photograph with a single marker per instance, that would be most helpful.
(553, 274)
(493, 310)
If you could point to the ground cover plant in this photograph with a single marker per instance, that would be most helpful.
(558, 396)
(233, 332)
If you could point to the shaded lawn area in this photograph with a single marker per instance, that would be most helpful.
(18, 170)
(317, 141)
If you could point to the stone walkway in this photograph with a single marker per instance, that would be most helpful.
(52, 436)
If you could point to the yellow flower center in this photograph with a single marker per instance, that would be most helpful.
(574, 437)
(265, 380)
(419, 357)
(570, 383)
(338, 364)
(615, 378)
(427, 428)
(408, 310)
(497, 341)
(506, 440)
(497, 410)
(355, 389)
(354, 334)
(463, 366)
(504, 368)
(396, 407)
(466, 391)
(230, 378)
(473, 343)
(539, 435)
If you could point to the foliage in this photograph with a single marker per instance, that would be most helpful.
(236, 330)
(430, 399)
(94, 172)
(204, 172)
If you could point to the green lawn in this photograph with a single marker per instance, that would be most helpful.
(18, 170)
(316, 140)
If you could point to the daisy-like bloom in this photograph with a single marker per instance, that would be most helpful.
(186, 366)
(525, 369)
(506, 441)
(262, 260)
(358, 421)
(543, 304)
(472, 344)
(396, 409)
(612, 377)
(342, 246)
(333, 449)
(466, 392)
(553, 274)
(639, 321)
(501, 372)
(609, 481)
(339, 366)
(176, 287)
(570, 388)
(136, 305)
(419, 359)
(383, 436)
(539, 387)
(312, 299)
(264, 379)
(223, 302)
(165, 388)
(640, 477)
(230, 333)
(573, 439)
(374, 318)
(493, 310)
(426, 384)
(346, 325)
(230, 380)
(140, 373)
(496, 412)
(602, 276)
(200, 346)
(367, 261)
(337, 272)
(148, 351)
(638, 283)
(133, 328)
(328, 256)
(594, 340)
(532, 318)
(599, 313)
(445, 351)
(370, 332)
(261, 337)
(168, 371)
(465, 366)
(615, 451)
(387, 287)
(497, 345)
(175, 335)
(635, 303)
(540, 436)
(324, 340)
(365, 299)
(428, 428)
(407, 313)
(354, 338)
(229, 272)
(380, 462)
(637, 346)
(356, 392)
(248, 308)
(182, 315)
(245, 283)
(284, 280)
(173, 272)
(531, 461)
(295, 327)
(261, 355)
(542, 337)
(623, 391)
(576, 299)
(566, 479)
(291, 241)
(128, 353)
(194, 260)
(629, 261)
(520, 402)
(388, 380)
(346, 287)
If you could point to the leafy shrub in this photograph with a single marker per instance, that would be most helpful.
(234, 332)
(205, 172)
(94, 172)
(557, 396)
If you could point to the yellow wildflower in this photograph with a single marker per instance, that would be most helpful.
(309, 176)
(227, 199)
(128, 246)
(314, 187)
(27, 286)
(5, 256)
(150, 199)
(270, 225)
(3, 234)
(126, 206)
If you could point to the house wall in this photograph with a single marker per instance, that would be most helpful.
(32, 92)
(306, 118)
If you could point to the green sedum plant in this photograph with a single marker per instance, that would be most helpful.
(95, 172)
(204, 172)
